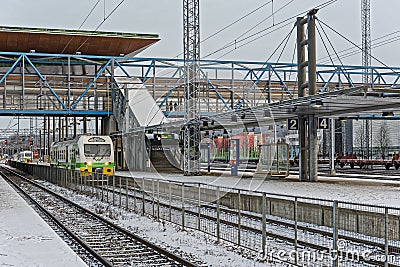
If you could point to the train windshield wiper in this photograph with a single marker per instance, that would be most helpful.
(100, 155)
(97, 153)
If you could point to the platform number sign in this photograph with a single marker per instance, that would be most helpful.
(323, 123)
(293, 124)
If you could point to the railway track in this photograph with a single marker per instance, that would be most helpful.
(279, 230)
(376, 173)
(104, 243)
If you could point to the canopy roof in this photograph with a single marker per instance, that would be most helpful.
(58, 41)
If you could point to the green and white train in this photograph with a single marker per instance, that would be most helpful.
(86, 153)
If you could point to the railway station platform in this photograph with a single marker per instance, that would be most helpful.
(25, 239)
(370, 189)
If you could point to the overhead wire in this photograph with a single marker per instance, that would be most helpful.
(265, 19)
(101, 23)
(236, 41)
(326, 48)
(291, 66)
(255, 39)
(348, 52)
(228, 26)
(287, 37)
(341, 62)
(80, 26)
(356, 45)
(284, 41)
(231, 24)
(236, 21)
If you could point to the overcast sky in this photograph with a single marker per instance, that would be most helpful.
(164, 17)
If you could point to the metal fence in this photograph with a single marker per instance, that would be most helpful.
(299, 230)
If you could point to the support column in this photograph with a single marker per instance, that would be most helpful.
(301, 79)
(313, 149)
(48, 140)
(308, 150)
(23, 83)
(332, 147)
(5, 94)
(60, 130)
(66, 120)
(75, 127)
(44, 137)
(84, 125)
(69, 84)
(54, 129)
(269, 82)
(312, 90)
(97, 126)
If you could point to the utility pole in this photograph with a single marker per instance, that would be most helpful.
(366, 59)
(191, 46)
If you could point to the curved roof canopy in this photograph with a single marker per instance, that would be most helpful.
(57, 41)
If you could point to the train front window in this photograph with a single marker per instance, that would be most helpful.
(97, 150)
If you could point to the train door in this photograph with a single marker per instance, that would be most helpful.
(73, 157)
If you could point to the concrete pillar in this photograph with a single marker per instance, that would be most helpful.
(301, 79)
(108, 125)
(312, 90)
(332, 147)
(84, 125)
(75, 126)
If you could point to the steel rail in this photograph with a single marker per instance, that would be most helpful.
(98, 257)
(324, 233)
(125, 232)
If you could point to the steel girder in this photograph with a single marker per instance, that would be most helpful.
(212, 71)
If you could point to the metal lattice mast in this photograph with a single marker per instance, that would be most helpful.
(366, 38)
(191, 46)
(366, 57)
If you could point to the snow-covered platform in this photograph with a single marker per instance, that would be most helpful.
(25, 239)
(344, 187)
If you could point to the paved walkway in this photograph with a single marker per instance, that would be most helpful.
(344, 188)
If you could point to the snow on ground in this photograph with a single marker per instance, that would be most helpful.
(25, 239)
(369, 191)
(188, 242)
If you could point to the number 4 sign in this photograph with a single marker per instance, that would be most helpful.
(323, 123)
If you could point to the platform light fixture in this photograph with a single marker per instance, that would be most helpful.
(234, 118)
(316, 103)
(387, 114)
(343, 119)
(267, 113)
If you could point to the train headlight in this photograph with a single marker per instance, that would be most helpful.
(89, 163)
(108, 163)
